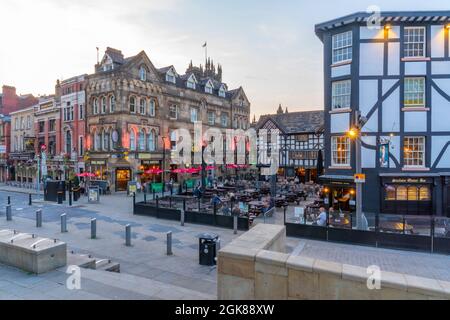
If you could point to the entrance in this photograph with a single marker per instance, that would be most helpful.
(123, 175)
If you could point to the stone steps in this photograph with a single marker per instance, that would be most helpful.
(89, 262)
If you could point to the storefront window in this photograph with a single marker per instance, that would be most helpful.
(424, 194)
(390, 193)
(412, 194)
(402, 193)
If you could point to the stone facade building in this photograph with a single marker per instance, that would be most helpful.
(133, 108)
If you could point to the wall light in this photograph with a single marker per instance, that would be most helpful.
(387, 27)
(448, 26)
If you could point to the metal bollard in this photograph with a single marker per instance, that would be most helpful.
(128, 235)
(235, 224)
(169, 243)
(182, 217)
(157, 201)
(63, 223)
(39, 218)
(93, 228)
(9, 199)
(145, 197)
(8, 213)
(30, 202)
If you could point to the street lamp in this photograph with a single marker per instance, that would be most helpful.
(164, 160)
(355, 134)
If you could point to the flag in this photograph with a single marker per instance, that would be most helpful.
(204, 46)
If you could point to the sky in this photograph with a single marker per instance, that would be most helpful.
(267, 47)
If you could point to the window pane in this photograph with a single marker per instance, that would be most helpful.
(402, 193)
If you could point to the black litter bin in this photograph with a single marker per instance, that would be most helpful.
(209, 245)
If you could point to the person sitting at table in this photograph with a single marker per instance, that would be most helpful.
(198, 191)
(215, 200)
(236, 210)
(321, 220)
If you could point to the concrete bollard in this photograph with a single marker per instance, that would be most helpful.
(128, 235)
(39, 218)
(93, 228)
(235, 224)
(169, 243)
(63, 223)
(8, 213)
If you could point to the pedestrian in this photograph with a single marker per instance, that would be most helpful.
(322, 218)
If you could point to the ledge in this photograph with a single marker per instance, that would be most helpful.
(415, 109)
(415, 169)
(300, 263)
(342, 63)
(418, 59)
(340, 168)
(343, 110)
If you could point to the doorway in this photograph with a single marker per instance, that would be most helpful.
(123, 176)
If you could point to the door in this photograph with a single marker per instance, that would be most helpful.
(122, 178)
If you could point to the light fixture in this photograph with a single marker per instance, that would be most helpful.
(353, 133)
(391, 135)
(326, 190)
(387, 27)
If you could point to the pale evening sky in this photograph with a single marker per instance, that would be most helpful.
(268, 47)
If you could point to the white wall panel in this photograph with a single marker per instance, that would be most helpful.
(368, 95)
(415, 121)
(371, 59)
(440, 112)
(437, 41)
(415, 68)
(394, 59)
(391, 112)
(340, 71)
(340, 122)
(437, 144)
(368, 156)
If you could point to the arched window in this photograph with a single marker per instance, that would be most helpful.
(151, 141)
(142, 106)
(112, 103)
(143, 74)
(132, 140)
(95, 106)
(68, 142)
(132, 104)
(152, 108)
(142, 140)
(98, 141)
(106, 140)
(104, 105)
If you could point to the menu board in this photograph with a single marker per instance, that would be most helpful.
(93, 194)
(132, 187)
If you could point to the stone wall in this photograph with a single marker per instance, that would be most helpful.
(254, 266)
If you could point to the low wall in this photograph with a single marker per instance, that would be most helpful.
(255, 266)
(31, 253)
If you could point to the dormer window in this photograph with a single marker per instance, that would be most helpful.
(143, 74)
(170, 76)
(222, 92)
(208, 87)
(191, 82)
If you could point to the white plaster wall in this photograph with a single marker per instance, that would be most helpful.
(415, 68)
(444, 84)
(394, 32)
(437, 144)
(437, 41)
(394, 59)
(368, 95)
(394, 149)
(368, 156)
(388, 84)
(415, 121)
(391, 112)
(366, 33)
(371, 59)
(440, 112)
(372, 123)
(341, 71)
(440, 67)
(340, 122)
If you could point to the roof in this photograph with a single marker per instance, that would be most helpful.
(115, 55)
(295, 122)
(385, 17)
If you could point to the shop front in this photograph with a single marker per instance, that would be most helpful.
(149, 171)
(339, 192)
(411, 195)
(123, 176)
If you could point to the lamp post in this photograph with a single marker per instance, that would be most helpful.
(163, 177)
(355, 134)
(203, 167)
